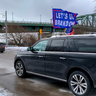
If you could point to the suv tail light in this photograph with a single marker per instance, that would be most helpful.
(3, 46)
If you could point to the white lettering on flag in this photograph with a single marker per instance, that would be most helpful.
(71, 17)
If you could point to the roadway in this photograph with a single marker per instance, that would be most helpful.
(32, 85)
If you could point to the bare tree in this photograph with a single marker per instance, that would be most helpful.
(30, 39)
(16, 34)
(81, 29)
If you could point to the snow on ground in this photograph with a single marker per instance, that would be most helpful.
(15, 48)
(63, 90)
(5, 92)
(2, 37)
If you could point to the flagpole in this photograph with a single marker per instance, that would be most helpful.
(52, 19)
(64, 31)
(54, 31)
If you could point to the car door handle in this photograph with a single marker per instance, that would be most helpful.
(63, 58)
(40, 56)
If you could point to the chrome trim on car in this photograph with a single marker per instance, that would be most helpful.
(40, 56)
(46, 76)
(62, 58)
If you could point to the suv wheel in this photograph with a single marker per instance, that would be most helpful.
(79, 83)
(2, 51)
(20, 69)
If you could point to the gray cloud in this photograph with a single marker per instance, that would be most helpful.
(30, 10)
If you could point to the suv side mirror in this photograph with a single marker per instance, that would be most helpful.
(29, 49)
(34, 50)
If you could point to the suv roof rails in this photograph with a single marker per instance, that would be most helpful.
(54, 36)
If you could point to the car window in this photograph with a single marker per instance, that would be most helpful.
(56, 45)
(41, 46)
(85, 45)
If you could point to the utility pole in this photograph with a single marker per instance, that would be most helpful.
(6, 26)
(12, 17)
(54, 31)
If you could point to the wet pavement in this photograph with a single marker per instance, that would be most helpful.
(32, 85)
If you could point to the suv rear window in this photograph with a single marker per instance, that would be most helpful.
(56, 45)
(85, 45)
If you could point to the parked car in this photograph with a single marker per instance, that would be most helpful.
(67, 58)
(2, 47)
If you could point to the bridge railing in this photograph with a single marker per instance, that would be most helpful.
(30, 22)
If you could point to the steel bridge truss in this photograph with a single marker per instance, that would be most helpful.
(88, 20)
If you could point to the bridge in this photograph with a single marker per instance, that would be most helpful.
(32, 26)
(87, 21)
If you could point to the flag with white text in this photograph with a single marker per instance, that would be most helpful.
(63, 19)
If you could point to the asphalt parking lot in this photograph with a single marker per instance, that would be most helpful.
(32, 85)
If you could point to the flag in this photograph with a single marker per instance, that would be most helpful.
(69, 31)
(63, 18)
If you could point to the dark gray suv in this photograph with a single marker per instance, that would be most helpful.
(67, 58)
(2, 47)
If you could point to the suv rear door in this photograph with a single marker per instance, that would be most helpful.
(56, 58)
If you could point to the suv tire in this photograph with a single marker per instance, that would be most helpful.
(79, 83)
(20, 69)
(2, 51)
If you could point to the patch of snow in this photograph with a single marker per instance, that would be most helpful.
(2, 37)
(5, 92)
(62, 90)
(15, 48)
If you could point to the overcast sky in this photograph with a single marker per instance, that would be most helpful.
(30, 10)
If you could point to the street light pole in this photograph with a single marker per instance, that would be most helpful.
(6, 26)
(40, 18)
(12, 17)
